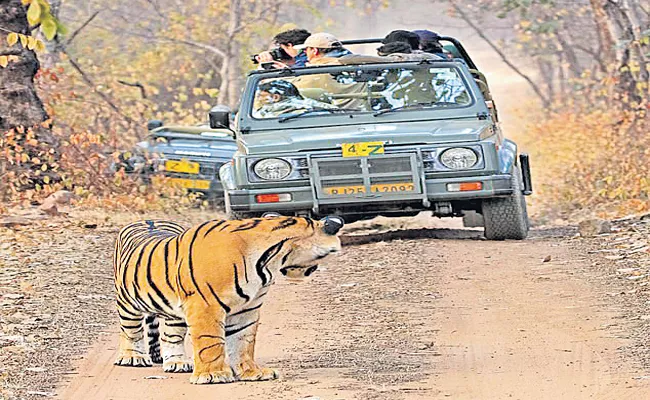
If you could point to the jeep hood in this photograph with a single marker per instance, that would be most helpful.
(328, 138)
(192, 148)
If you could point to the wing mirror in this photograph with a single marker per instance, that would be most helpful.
(153, 124)
(219, 117)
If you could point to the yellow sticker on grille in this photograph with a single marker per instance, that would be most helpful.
(362, 149)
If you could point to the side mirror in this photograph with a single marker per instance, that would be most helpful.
(219, 117)
(153, 124)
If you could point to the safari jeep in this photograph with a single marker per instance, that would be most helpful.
(190, 155)
(376, 137)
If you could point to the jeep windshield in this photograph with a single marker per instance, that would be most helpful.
(359, 91)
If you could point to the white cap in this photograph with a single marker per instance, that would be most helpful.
(320, 40)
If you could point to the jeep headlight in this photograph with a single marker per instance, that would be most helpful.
(272, 169)
(458, 158)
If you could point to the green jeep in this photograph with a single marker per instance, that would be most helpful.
(371, 137)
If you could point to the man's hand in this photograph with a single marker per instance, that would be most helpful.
(263, 57)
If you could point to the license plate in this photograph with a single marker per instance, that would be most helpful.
(379, 188)
(191, 183)
(187, 167)
(362, 149)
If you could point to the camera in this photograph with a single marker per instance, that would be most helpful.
(278, 54)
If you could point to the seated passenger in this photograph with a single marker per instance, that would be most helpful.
(393, 48)
(402, 36)
(287, 41)
(322, 49)
(280, 97)
(402, 45)
(325, 49)
(429, 43)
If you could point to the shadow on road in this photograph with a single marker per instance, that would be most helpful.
(444, 233)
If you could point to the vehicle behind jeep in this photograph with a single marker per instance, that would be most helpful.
(374, 137)
(189, 155)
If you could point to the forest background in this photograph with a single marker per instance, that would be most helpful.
(581, 69)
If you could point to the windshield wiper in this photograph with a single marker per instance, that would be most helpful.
(314, 110)
(414, 105)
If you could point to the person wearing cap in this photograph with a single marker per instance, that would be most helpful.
(323, 48)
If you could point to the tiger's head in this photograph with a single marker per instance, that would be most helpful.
(306, 252)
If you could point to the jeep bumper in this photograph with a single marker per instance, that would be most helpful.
(303, 198)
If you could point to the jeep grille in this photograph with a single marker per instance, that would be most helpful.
(385, 177)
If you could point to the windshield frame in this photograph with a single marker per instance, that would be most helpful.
(248, 123)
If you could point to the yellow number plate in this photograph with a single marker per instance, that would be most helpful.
(362, 149)
(190, 183)
(380, 188)
(187, 167)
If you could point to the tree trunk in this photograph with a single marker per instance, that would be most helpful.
(605, 36)
(569, 54)
(19, 103)
(234, 68)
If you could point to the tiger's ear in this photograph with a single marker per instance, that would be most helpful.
(270, 215)
(332, 224)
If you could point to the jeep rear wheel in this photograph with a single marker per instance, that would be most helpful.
(507, 217)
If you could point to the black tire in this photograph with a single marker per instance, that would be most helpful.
(230, 214)
(507, 217)
(472, 219)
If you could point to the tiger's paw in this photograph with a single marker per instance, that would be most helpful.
(258, 374)
(133, 360)
(178, 364)
(156, 358)
(202, 378)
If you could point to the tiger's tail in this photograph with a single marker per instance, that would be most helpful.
(153, 334)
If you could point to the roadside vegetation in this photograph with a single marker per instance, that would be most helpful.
(588, 67)
(586, 62)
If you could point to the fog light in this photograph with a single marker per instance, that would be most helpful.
(464, 187)
(273, 198)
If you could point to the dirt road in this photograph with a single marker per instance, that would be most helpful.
(419, 319)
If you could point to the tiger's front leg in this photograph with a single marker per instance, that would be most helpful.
(206, 326)
(241, 330)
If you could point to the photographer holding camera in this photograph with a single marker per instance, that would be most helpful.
(285, 52)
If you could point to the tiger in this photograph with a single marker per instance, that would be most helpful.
(209, 280)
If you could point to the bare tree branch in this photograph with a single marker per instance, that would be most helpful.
(143, 92)
(78, 30)
(92, 85)
(156, 7)
(262, 16)
(192, 43)
(479, 32)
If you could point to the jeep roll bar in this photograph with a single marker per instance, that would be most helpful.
(459, 47)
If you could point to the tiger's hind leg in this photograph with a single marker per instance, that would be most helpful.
(133, 350)
(153, 335)
(240, 342)
(172, 342)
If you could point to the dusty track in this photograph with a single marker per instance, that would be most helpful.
(426, 319)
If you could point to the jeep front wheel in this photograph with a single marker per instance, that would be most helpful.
(230, 214)
(507, 217)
